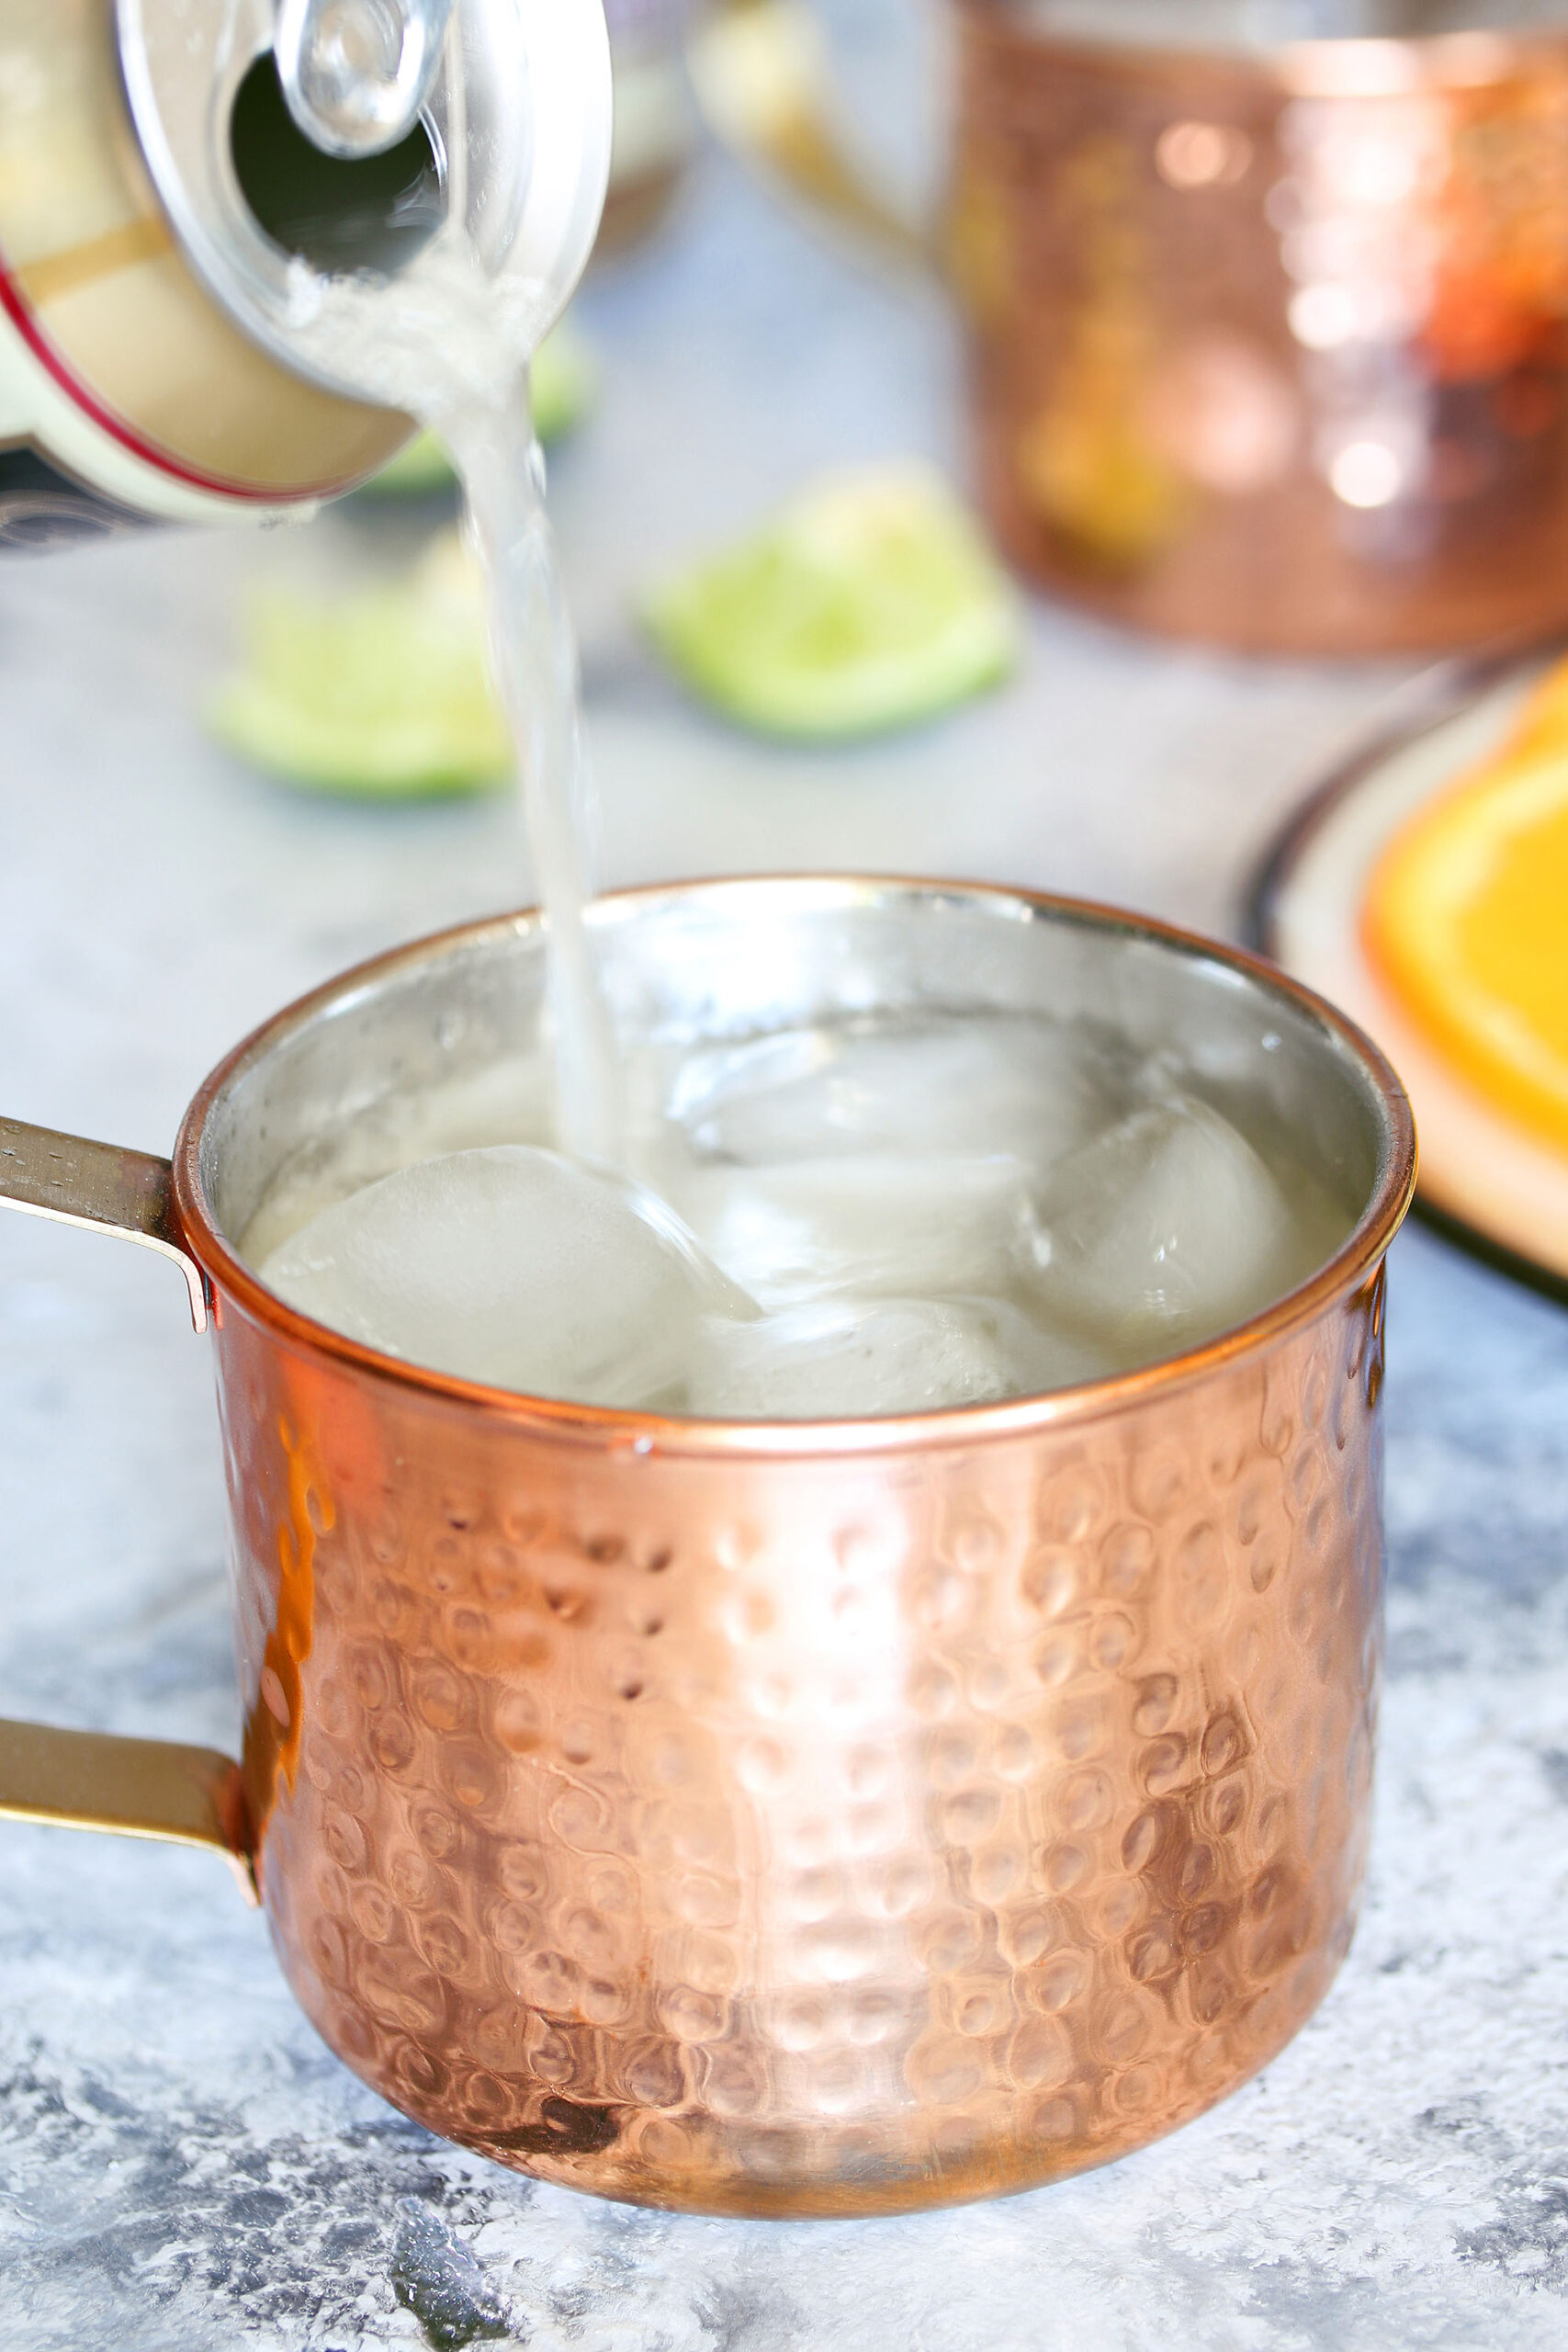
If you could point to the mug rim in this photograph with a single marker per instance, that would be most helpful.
(646, 1434)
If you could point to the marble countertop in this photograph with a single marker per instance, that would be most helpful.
(182, 2165)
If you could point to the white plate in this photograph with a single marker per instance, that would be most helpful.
(1491, 1178)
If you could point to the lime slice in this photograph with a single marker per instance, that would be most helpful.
(869, 603)
(384, 695)
(563, 382)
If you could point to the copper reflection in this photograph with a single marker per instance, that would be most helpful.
(1271, 350)
(814, 1820)
(812, 1836)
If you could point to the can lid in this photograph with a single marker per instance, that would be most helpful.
(418, 277)
(357, 74)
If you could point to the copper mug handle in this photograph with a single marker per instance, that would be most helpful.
(80, 1779)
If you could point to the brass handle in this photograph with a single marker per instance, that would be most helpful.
(100, 1186)
(136, 1788)
(764, 87)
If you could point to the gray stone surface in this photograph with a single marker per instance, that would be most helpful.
(182, 2165)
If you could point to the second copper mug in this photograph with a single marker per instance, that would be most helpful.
(830, 1818)
(1268, 344)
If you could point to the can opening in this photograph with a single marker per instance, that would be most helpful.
(339, 214)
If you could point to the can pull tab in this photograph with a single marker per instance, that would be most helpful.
(356, 74)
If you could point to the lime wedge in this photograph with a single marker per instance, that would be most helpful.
(563, 382)
(383, 694)
(870, 602)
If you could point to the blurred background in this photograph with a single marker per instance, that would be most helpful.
(737, 351)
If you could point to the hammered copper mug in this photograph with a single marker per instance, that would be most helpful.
(798, 1818)
(1268, 344)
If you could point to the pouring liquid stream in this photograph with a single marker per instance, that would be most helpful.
(440, 342)
(534, 655)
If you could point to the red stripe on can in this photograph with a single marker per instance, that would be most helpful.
(25, 320)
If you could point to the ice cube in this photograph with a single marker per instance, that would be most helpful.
(981, 1084)
(515, 1267)
(866, 1223)
(509, 1100)
(1164, 1230)
(854, 1359)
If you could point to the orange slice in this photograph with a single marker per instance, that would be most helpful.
(1466, 920)
(1542, 723)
